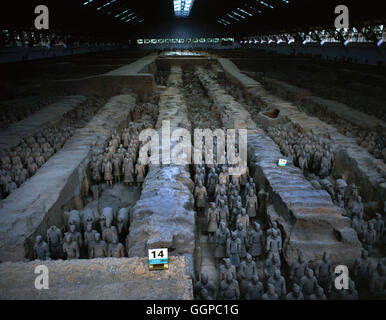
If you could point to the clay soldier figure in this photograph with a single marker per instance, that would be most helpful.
(224, 177)
(204, 284)
(370, 237)
(296, 293)
(222, 235)
(220, 188)
(227, 268)
(117, 169)
(340, 187)
(359, 225)
(308, 284)
(236, 211)
(233, 249)
(55, 242)
(242, 235)
(263, 201)
(250, 186)
(255, 241)
(199, 176)
(99, 248)
(125, 138)
(70, 247)
(109, 232)
(128, 172)
(116, 249)
(246, 272)
(89, 238)
(201, 197)
(324, 272)
(251, 204)
(212, 181)
(279, 282)
(318, 294)
(255, 289)
(224, 212)
(271, 293)
(379, 225)
(354, 204)
(298, 269)
(76, 235)
(273, 227)
(273, 244)
(350, 294)
(221, 196)
(271, 264)
(140, 172)
(378, 282)
(243, 219)
(41, 250)
(361, 270)
(213, 221)
(107, 170)
(229, 289)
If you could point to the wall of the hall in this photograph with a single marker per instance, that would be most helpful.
(183, 29)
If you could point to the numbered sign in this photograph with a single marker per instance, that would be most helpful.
(282, 163)
(158, 259)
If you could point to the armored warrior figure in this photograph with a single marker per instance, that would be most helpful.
(298, 269)
(116, 249)
(246, 272)
(201, 197)
(324, 272)
(41, 250)
(222, 235)
(99, 248)
(255, 289)
(273, 244)
(233, 249)
(252, 204)
(70, 247)
(213, 221)
(296, 293)
(229, 289)
(271, 293)
(206, 284)
(140, 172)
(308, 284)
(255, 241)
(107, 170)
(55, 242)
(279, 282)
(227, 268)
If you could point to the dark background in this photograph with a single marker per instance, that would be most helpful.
(159, 21)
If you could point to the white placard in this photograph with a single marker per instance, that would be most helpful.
(158, 256)
(282, 162)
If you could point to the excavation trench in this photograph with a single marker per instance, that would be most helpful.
(41, 201)
(294, 203)
(351, 162)
(27, 145)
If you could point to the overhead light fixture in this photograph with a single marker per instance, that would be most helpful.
(87, 2)
(182, 8)
(243, 11)
(265, 4)
(106, 4)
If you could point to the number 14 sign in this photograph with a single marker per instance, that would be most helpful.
(158, 259)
